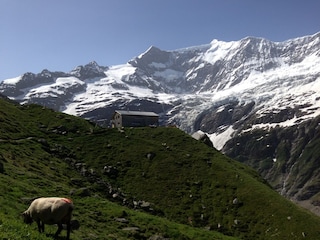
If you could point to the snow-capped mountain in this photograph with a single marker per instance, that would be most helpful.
(229, 90)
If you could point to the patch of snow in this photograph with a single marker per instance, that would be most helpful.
(12, 81)
(157, 65)
(220, 109)
(169, 75)
(201, 65)
(218, 50)
(219, 139)
(55, 89)
(118, 71)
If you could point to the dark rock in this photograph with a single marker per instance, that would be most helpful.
(90, 70)
(1, 167)
(286, 152)
(131, 229)
(110, 171)
(151, 155)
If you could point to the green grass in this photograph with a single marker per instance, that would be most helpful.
(191, 187)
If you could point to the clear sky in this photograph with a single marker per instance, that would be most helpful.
(61, 34)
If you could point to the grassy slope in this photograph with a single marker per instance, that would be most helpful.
(185, 180)
(188, 179)
(32, 153)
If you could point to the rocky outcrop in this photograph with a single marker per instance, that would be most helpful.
(89, 71)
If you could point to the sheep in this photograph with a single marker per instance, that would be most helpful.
(51, 210)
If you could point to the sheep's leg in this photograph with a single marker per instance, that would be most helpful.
(42, 225)
(39, 225)
(68, 230)
(59, 230)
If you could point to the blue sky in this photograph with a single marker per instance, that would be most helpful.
(61, 34)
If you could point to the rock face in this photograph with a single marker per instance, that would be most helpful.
(287, 157)
(257, 101)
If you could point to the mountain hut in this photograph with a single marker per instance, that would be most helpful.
(123, 118)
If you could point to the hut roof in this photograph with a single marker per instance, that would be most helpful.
(137, 113)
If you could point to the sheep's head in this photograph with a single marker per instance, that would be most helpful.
(27, 218)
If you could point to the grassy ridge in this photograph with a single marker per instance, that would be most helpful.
(191, 187)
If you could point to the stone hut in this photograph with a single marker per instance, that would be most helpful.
(122, 118)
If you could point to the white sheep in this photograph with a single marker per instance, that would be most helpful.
(51, 210)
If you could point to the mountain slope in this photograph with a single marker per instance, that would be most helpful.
(34, 162)
(229, 90)
(159, 170)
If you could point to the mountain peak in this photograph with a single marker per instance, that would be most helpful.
(90, 70)
(153, 54)
(151, 50)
